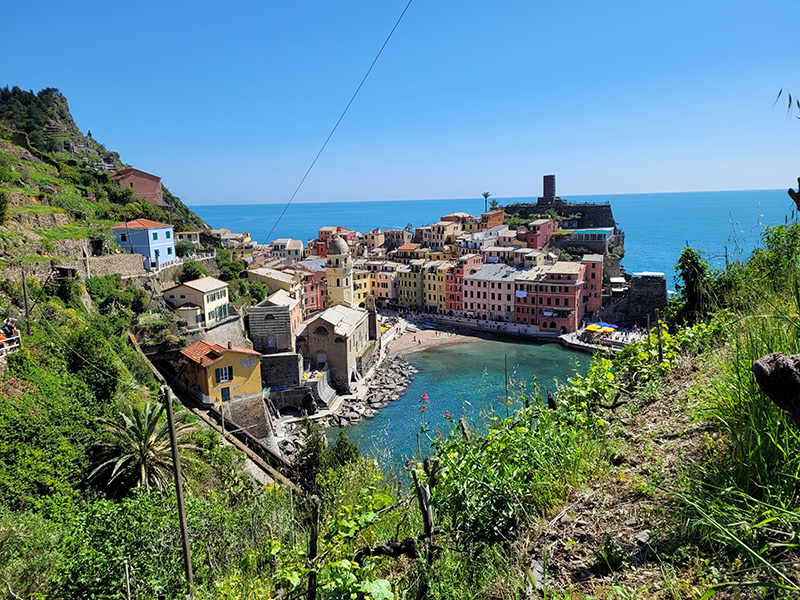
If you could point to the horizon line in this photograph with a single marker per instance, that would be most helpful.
(477, 199)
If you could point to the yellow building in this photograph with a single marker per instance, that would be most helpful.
(362, 284)
(444, 233)
(244, 253)
(217, 373)
(434, 285)
(409, 284)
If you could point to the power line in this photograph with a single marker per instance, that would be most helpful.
(335, 127)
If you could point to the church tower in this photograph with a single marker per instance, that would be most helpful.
(339, 269)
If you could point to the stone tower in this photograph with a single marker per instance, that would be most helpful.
(339, 269)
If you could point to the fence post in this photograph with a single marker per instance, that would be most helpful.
(312, 549)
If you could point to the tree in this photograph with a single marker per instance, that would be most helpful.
(494, 203)
(486, 196)
(137, 447)
(183, 248)
(190, 270)
(409, 227)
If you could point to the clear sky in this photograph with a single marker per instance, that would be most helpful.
(230, 102)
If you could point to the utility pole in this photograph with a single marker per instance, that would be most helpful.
(25, 298)
(187, 554)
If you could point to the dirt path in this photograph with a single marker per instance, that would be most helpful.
(625, 516)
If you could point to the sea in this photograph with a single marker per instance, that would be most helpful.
(469, 380)
(656, 226)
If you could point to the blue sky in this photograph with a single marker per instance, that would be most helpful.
(230, 103)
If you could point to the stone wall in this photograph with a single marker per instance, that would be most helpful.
(591, 215)
(646, 294)
(250, 414)
(282, 370)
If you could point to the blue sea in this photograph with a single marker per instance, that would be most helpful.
(656, 226)
(469, 379)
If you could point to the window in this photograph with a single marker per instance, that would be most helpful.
(167, 234)
(223, 374)
(123, 237)
(169, 250)
(155, 235)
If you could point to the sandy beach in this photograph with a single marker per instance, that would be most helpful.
(425, 339)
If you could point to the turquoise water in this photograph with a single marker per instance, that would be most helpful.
(657, 226)
(465, 379)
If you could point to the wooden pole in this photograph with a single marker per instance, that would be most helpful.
(187, 553)
(658, 335)
(25, 298)
(128, 579)
(312, 549)
(506, 377)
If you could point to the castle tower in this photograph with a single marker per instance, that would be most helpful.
(549, 198)
(339, 270)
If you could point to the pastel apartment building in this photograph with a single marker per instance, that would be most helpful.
(489, 292)
(538, 233)
(463, 266)
(551, 297)
(155, 241)
(202, 302)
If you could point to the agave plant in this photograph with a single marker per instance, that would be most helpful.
(137, 447)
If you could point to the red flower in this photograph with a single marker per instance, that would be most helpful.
(438, 433)
(424, 396)
(447, 415)
(422, 408)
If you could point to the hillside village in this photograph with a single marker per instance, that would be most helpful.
(655, 474)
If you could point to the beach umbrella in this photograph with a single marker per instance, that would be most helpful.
(592, 327)
(606, 330)
(602, 324)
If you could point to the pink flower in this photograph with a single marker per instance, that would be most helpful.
(424, 396)
(438, 433)
(422, 408)
(447, 415)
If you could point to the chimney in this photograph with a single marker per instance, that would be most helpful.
(230, 345)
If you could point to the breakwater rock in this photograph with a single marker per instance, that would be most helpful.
(387, 384)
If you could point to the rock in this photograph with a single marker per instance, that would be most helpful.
(630, 522)
(643, 537)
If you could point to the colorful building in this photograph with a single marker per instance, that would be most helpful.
(202, 302)
(145, 185)
(155, 241)
(217, 373)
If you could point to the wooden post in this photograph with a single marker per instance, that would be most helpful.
(506, 377)
(465, 429)
(128, 579)
(25, 299)
(187, 554)
(312, 549)
(658, 335)
(426, 508)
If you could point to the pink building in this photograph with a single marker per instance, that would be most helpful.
(464, 265)
(538, 233)
(592, 295)
(551, 297)
(144, 185)
(489, 292)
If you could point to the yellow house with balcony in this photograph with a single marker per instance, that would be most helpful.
(216, 373)
(362, 284)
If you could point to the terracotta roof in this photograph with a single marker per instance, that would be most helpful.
(140, 224)
(408, 246)
(123, 172)
(206, 353)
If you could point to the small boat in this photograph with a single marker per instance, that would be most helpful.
(428, 326)
(411, 329)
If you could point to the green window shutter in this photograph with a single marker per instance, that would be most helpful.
(167, 233)
(217, 374)
(155, 235)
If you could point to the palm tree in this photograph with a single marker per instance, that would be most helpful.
(494, 203)
(485, 201)
(137, 446)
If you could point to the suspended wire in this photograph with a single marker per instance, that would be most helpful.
(335, 127)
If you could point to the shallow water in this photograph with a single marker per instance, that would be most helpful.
(465, 379)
